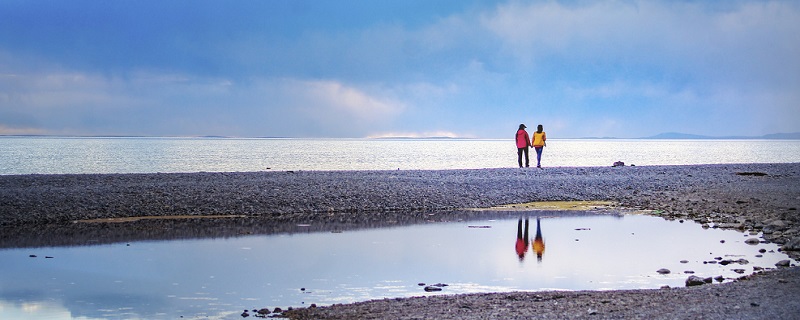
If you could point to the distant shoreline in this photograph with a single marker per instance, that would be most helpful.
(661, 136)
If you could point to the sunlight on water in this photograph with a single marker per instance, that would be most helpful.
(25, 155)
(219, 278)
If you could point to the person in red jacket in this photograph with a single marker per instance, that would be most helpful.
(523, 145)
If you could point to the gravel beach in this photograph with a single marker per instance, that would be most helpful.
(40, 210)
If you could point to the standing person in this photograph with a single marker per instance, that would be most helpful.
(523, 143)
(539, 142)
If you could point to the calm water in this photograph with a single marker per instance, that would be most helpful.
(218, 278)
(26, 155)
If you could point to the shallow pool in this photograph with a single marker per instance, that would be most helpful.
(218, 278)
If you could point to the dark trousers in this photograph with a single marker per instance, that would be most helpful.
(520, 151)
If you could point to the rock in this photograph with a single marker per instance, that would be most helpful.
(245, 314)
(277, 310)
(618, 164)
(752, 241)
(778, 225)
(739, 271)
(663, 271)
(792, 245)
(719, 278)
(694, 281)
(684, 261)
(783, 263)
(432, 288)
(263, 311)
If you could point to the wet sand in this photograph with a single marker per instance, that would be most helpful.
(43, 209)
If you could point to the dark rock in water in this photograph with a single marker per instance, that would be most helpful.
(263, 311)
(694, 281)
(708, 280)
(688, 272)
(719, 278)
(618, 164)
(421, 284)
(783, 263)
(663, 271)
(277, 310)
(739, 271)
(432, 288)
(245, 314)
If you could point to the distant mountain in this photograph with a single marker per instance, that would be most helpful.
(678, 135)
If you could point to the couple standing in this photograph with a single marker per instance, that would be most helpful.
(524, 142)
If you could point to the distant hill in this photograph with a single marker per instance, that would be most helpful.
(678, 135)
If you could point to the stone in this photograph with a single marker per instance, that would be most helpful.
(778, 225)
(663, 271)
(792, 245)
(432, 288)
(752, 241)
(783, 263)
(694, 281)
(263, 311)
(719, 278)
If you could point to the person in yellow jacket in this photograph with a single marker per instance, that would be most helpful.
(539, 142)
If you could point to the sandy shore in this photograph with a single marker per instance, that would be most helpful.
(40, 210)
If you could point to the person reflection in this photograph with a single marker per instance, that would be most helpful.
(538, 241)
(522, 240)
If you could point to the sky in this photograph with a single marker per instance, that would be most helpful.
(363, 68)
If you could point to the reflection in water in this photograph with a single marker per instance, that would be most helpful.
(538, 241)
(522, 241)
(521, 246)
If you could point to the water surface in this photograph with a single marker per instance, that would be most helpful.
(220, 277)
(27, 155)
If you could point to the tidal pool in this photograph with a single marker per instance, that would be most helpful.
(218, 278)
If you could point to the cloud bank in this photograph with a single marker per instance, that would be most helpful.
(355, 69)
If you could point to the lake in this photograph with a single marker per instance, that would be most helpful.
(71, 155)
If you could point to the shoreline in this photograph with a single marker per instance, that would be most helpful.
(748, 197)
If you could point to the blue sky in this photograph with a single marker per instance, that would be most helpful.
(399, 68)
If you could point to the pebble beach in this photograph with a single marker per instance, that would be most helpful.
(758, 198)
